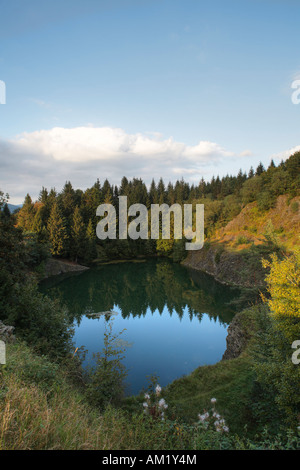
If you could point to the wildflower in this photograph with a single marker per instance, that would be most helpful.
(147, 396)
(162, 403)
(145, 405)
(203, 417)
(157, 390)
(213, 400)
(225, 429)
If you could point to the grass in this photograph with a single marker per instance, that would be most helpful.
(41, 409)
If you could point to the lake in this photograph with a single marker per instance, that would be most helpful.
(175, 319)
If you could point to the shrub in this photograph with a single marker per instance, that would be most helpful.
(106, 379)
(295, 206)
(273, 362)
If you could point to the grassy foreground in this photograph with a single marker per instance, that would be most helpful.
(41, 408)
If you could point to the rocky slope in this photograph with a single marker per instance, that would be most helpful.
(228, 255)
(53, 267)
(227, 266)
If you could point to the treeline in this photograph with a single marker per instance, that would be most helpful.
(161, 286)
(42, 322)
(67, 220)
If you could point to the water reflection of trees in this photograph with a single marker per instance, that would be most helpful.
(137, 288)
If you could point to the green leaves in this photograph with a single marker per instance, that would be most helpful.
(106, 379)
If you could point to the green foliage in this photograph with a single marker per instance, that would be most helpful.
(78, 235)
(265, 200)
(12, 263)
(35, 251)
(273, 359)
(295, 207)
(242, 240)
(106, 380)
(179, 251)
(40, 409)
(164, 247)
(63, 218)
(251, 189)
(58, 235)
(41, 322)
(26, 214)
(90, 252)
(218, 255)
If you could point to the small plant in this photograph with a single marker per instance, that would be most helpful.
(295, 207)
(154, 405)
(212, 419)
(106, 381)
(241, 240)
(219, 254)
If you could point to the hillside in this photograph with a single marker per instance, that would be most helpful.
(252, 225)
(233, 254)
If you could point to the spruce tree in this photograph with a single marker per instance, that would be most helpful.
(57, 231)
(78, 235)
(91, 244)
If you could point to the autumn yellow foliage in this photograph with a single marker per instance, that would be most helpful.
(284, 286)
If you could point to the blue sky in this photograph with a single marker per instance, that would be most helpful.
(143, 88)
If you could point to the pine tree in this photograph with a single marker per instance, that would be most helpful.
(260, 169)
(57, 231)
(26, 215)
(251, 173)
(153, 194)
(91, 244)
(78, 235)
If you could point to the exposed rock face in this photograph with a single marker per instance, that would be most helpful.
(237, 339)
(54, 267)
(226, 267)
(6, 333)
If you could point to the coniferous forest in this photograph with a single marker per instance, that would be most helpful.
(66, 220)
(261, 382)
(149, 228)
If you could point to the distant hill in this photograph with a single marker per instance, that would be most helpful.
(13, 208)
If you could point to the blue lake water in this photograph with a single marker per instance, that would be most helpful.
(174, 319)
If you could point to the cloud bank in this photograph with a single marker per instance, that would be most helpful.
(83, 154)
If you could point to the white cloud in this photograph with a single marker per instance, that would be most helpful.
(246, 153)
(84, 144)
(83, 154)
(277, 157)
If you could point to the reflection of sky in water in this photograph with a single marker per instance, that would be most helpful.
(167, 345)
(160, 344)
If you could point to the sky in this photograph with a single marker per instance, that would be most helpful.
(144, 88)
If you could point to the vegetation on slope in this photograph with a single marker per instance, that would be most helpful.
(44, 402)
(66, 221)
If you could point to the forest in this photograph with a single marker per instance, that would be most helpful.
(43, 372)
(66, 221)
